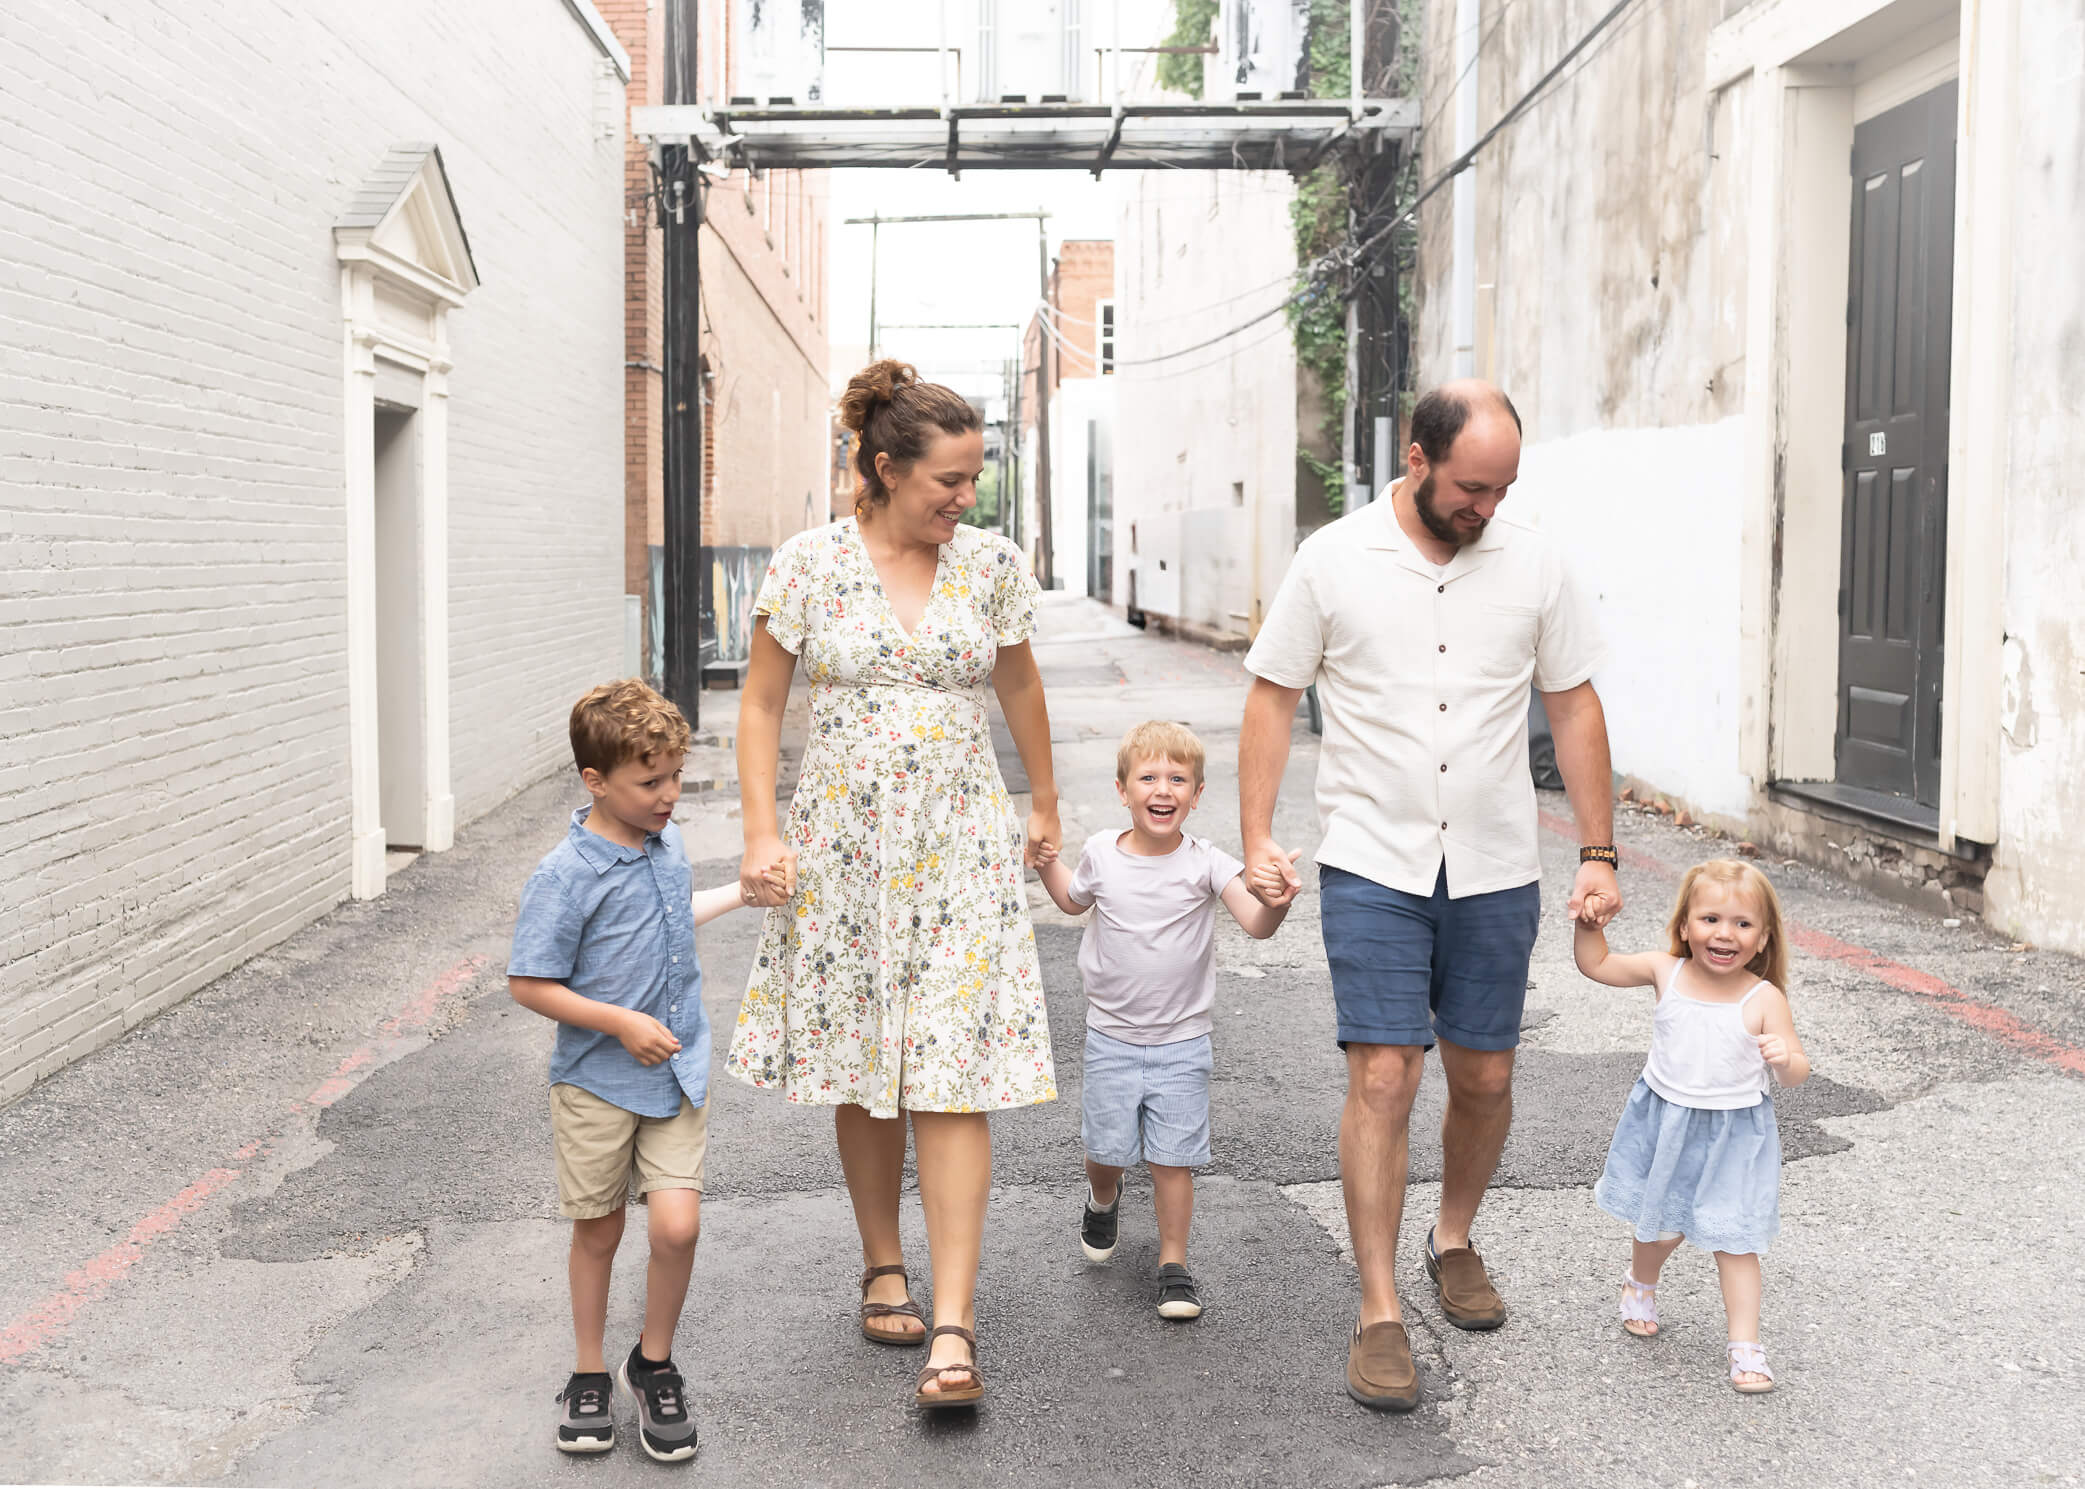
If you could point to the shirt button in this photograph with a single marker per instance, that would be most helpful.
(673, 1008)
(1440, 589)
(1443, 767)
(1444, 827)
(1444, 708)
(1444, 646)
(1444, 770)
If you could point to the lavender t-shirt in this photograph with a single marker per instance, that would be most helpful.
(1146, 957)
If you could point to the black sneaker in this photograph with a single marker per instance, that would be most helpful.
(1097, 1229)
(664, 1426)
(585, 1414)
(1177, 1297)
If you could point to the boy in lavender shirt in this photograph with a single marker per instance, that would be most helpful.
(1150, 977)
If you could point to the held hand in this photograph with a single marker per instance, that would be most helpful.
(1043, 832)
(1273, 880)
(765, 857)
(1773, 1049)
(647, 1040)
(1045, 855)
(1596, 894)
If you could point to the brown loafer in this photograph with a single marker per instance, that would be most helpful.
(1468, 1300)
(1380, 1372)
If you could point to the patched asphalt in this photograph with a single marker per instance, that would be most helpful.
(374, 1293)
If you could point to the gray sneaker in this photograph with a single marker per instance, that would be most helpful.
(664, 1425)
(586, 1414)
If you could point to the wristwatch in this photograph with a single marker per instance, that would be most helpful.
(1604, 853)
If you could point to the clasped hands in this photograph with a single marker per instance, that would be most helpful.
(767, 873)
(1596, 894)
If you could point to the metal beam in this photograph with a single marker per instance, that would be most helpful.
(1274, 134)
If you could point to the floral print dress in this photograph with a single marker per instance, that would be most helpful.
(902, 975)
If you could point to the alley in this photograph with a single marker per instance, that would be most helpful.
(301, 1229)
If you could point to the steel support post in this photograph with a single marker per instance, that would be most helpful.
(680, 214)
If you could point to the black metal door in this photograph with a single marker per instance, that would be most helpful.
(1893, 556)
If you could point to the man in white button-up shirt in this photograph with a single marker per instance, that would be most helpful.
(1423, 618)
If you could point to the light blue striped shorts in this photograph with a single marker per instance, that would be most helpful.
(1147, 1102)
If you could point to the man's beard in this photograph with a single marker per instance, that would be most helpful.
(1443, 528)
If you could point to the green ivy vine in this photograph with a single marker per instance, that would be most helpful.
(1318, 220)
(1194, 23)
(1318, 215)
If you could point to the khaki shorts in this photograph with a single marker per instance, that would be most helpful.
(604, 1152)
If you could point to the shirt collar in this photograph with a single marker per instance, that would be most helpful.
(1381, 530)
(600, 854)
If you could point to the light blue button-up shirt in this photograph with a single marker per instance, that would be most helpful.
(615, 924)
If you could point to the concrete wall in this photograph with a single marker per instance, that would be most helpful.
(1205, 468)
(174, 788)
(1609, 292)
(1659, 281)
(2037, 883)
(1081, 404)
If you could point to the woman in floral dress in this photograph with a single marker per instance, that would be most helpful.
(900, 980)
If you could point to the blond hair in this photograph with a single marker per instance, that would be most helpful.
(1771, 962)
(622, 721)
(1159, 739)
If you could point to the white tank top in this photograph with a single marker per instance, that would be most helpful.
(1701, 1053)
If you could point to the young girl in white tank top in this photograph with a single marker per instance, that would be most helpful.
(1696, 1154)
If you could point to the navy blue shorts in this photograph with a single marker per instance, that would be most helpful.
(1407, 969)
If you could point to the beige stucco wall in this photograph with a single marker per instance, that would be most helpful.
(1660, 282)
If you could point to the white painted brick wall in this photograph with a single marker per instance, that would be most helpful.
(173, 709)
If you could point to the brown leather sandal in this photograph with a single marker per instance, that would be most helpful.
(906, 1309)
(968, 1395)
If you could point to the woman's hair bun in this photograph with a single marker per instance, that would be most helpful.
(871, 388)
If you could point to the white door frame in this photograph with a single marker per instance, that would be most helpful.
(1806, 87)
(400, 276)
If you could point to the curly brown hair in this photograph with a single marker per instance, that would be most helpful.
(896, 414)
(626, 720)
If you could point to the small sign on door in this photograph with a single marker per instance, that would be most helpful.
(1878, 443)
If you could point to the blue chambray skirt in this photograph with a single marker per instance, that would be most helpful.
(1711, 1176)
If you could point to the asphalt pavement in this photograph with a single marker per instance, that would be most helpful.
(302, 1230)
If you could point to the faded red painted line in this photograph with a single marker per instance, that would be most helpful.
(45, 1320)
(1940, 993)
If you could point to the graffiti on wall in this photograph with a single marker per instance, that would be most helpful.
(734, 584)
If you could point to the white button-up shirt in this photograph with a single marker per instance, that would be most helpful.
(1422, 674)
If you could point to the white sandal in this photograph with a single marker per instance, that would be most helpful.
(1747, 1358)
(1639, 1306)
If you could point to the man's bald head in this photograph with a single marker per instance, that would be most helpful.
(1465, 453)
(1441, 414)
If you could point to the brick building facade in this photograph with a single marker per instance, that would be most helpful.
(310, 429)
(765, 353)
(1082, 400)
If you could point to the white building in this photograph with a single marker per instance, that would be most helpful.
(1791, 298)
(311, 434)
(1079, 355)
(1206, 509)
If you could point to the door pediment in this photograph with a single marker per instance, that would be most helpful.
(403, 223)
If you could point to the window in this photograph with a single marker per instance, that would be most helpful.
(1104, 335)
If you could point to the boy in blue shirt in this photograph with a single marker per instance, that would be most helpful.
(605, 944)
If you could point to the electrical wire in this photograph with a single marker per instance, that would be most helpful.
(1357, 257)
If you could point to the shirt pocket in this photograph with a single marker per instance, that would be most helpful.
(1505, 635)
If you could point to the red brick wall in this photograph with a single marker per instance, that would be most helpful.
(1083, 276)
(641, 30)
